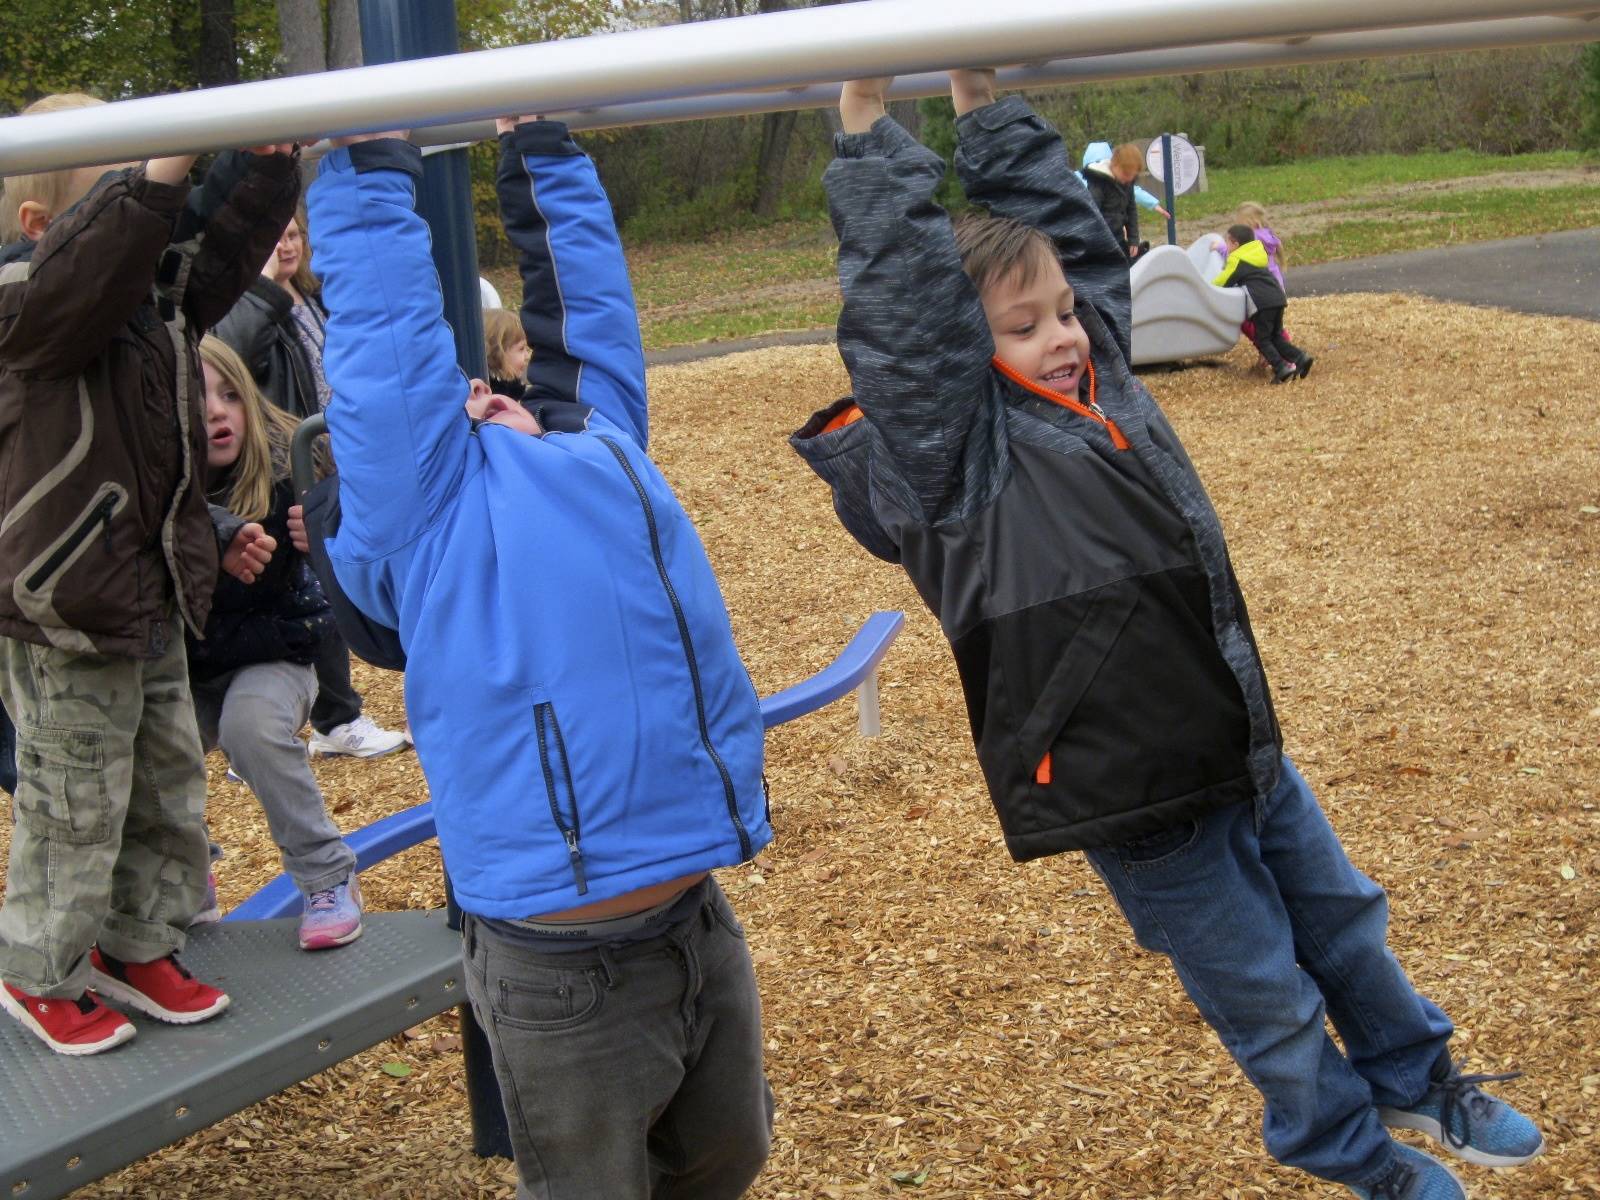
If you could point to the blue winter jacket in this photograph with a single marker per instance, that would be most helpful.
(581, 713)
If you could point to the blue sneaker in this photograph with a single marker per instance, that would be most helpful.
(1414, 1176)
(1467, 1121)
(332, 917)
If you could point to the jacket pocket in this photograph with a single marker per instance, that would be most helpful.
(562, 794)
(61, 784)
(41, 575)
(1122, 703)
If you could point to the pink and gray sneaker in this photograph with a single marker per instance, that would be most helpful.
(332, 917)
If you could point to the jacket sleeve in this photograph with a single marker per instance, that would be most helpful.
(230, 225)
(87, 276)
(396, 421)
(1224, 277)
(912, 331)
(248, 330)
(577, 304)
(1014, 164)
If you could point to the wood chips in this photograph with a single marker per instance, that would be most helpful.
(1416, 527)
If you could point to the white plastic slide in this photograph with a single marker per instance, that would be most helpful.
(1177, 313)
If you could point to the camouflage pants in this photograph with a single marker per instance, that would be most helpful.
(110, 842)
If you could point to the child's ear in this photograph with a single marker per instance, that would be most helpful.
(34, 219)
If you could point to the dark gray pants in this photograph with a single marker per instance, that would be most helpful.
(629, 1073)
(337, 702)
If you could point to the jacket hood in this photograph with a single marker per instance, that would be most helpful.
(1252, 252)
(1096, 152)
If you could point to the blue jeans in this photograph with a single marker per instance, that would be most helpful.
(1269, 931)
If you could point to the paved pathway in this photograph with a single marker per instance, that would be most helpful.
(1551, 273)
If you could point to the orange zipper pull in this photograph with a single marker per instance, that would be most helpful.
(1041, 773)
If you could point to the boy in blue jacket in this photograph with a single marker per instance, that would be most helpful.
(591, 739)
(999, 448)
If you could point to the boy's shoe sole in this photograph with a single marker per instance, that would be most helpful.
(114, 989)
(317, 746)
(1397, 1118)
(122, 1033)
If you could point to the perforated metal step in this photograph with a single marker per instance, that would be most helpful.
(65, 1121)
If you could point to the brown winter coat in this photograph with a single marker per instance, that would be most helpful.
(102, 430)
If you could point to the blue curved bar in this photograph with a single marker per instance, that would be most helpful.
(402, 830)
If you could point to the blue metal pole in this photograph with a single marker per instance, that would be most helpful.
(1166, 186)
(395, 31)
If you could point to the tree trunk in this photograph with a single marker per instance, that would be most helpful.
(300, 32)
(777, 130)
(344, 34)
(219, 50)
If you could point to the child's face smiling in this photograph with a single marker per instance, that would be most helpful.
(1035, 331)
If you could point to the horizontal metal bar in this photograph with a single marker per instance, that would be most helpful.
(1139, 64)
(769, 50)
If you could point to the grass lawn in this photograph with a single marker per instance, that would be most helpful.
(781, 276)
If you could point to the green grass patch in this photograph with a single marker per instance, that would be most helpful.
(743, 321)
(748, 281)
(1318, 179)
(1451, 218)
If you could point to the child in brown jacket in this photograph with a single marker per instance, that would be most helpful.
(107, 553)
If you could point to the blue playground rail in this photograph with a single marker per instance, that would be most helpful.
(64, 1122)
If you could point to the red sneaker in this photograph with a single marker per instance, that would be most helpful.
(81, 1026)
(160, 989)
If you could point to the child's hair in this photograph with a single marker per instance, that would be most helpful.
(502, 329)
(268, 430)
(993, 249)
(304, 280)
(1241, 234)
(1127, 157)
(48, 188)
(1251, 213)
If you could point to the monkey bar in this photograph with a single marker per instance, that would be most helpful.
(793, 49)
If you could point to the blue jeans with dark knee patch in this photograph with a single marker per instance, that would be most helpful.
(1269, 931)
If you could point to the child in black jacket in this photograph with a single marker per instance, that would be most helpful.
(1007, 458)
(252, 675)
(1249, 267)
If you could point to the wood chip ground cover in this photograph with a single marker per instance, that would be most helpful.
(1416, 530)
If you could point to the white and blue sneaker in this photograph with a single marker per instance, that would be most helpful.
(361, 738)
(1468, 1122)
(1413, 1176)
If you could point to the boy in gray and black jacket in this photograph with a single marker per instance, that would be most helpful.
(998, 447)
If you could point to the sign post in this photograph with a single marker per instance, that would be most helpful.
(1185, 173)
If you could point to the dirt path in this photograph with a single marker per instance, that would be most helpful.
(1293, 220)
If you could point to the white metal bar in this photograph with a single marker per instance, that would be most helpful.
(770, 50)
(868, 714)
(1141, 64)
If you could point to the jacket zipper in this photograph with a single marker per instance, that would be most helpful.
(1092, 410)
(745, 849)
(101, 512)
(569, 833)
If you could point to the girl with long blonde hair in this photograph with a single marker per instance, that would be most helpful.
(252, 674)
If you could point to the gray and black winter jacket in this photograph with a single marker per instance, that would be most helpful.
(1070, 552)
